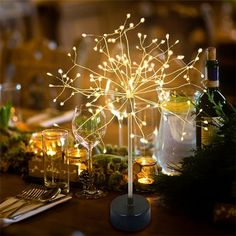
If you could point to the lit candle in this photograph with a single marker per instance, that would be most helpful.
(145, 180)
(51, 152)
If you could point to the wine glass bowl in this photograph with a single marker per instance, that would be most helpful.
(88, 127)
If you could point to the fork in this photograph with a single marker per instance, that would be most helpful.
(33, 191)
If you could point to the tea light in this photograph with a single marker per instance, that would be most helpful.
(145, 180)
(51, 152)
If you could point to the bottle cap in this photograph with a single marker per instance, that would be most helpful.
(211, 53)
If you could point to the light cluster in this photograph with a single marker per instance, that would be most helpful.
(145, 73)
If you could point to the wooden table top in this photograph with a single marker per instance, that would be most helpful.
(91, 217)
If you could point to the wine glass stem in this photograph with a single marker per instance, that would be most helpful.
(90, 168)
(90, 159)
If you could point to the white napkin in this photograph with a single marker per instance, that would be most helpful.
(29, 210)
(38, 118)
(67, 116)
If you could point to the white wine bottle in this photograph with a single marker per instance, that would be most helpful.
(211, 103)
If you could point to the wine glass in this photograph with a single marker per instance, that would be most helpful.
(88, 127)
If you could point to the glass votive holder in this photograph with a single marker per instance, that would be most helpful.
(145, 170)
(56, 162)
(77, 157)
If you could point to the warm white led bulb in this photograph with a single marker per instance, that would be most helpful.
(142, 20)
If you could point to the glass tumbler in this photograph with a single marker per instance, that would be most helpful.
(56, 162)
(176, 138)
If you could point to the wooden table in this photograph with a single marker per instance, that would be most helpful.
(91, 217)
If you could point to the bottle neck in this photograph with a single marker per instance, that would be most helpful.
(212, 74)
(212, 84)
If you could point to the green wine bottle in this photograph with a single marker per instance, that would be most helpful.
(211, 104)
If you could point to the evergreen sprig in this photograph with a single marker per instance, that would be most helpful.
(5, 115)
(14, 151)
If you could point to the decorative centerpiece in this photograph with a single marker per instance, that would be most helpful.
(131, 76)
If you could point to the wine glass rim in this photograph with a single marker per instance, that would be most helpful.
(85, 107)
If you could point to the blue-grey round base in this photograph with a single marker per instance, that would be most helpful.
(130, 217)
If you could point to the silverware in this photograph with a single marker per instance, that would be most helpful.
(47, 196)
(16, 216)
(32, 191)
